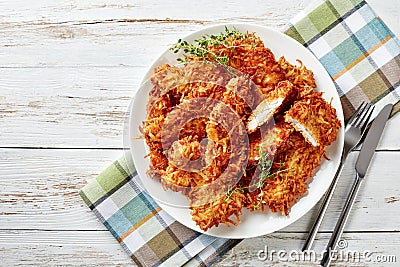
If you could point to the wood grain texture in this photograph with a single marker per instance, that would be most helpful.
(70, 107)
(378, 244)
(47, 11)
(68, 33)
(65, 248)
(68, 70)
(98, 248)
(46, 197)
(63, 72)
(277, 12)
(80, 107)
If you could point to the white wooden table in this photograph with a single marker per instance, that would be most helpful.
(68, 70)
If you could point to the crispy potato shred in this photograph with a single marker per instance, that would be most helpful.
(252, 139)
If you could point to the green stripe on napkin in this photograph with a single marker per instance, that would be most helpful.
(357, 49)
(148, 234)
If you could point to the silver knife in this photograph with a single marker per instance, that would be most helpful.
(364, 159)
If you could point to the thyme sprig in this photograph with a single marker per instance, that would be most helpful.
(201, 47)
(232, 191)
(264, 166)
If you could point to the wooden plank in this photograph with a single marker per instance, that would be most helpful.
(53, 248)
(95, 44)
(39, 190)
(85, 122)
(374, 246)
(80, 107)
(99, 44)
(93, 10)
(47, 11)
(40, 187)
(98, 248)
(65, 107)
(123, 41)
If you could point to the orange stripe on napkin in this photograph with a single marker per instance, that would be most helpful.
(358, 60)
(136, 226)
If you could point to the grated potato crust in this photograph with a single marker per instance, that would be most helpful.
(202, 157)
(315, 118)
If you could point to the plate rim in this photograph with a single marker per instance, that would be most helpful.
(339, 142)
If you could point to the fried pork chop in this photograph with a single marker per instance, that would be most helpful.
(315, 119)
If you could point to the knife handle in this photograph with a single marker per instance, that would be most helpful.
(324, 205)
(337, 232)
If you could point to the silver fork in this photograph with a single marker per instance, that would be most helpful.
(354, 130)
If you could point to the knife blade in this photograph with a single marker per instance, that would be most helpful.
(371, 140)
(364, 159)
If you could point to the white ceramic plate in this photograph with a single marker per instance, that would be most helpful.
(252, 223)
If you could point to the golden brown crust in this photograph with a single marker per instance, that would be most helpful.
(252, 58)
(315, 118)
(218, 211)
(296, 165)
(275, 137)
(277, 99)
(301, 77)
(197, 162)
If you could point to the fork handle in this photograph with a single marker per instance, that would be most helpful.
(324, 206)
(344, 215)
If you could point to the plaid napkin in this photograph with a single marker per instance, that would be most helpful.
(357, 49)
(147, 233)
(363, 58)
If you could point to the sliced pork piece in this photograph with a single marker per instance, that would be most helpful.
(315, 119)
(291, 176)
(271, 105)
(273, 139)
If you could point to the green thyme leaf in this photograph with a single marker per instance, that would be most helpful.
(201, 47)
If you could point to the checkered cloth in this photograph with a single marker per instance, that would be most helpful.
(147, 233)
(356, 48)
(362, 56)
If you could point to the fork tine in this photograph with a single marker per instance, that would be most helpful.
(362, 117)
(356, 113)
(366, 121)
(359, 117)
